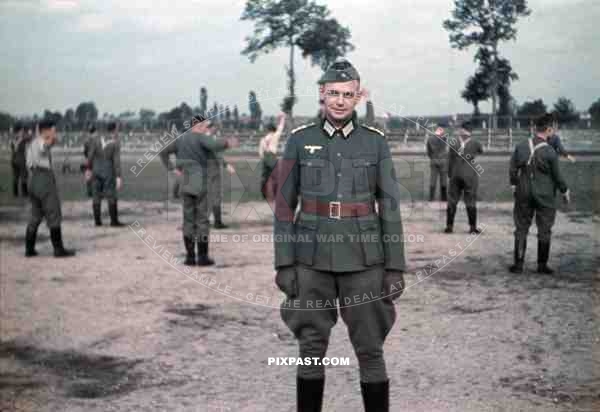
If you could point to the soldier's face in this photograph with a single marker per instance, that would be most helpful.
(341, 99)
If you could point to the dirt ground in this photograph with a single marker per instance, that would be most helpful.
(122, 327)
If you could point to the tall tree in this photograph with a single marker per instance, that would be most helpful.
(86, 113)
(69, 119)
(565, 111)
(203, 101)
(227, 116)
(236, 117)
(485, 23)
(301, 24)
(476, 90)
(595, 112)
(255, 110)
(370, 115)
(532, 109)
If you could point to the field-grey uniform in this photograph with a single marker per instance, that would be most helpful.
(535, 173)
(193, 151)
(105, 163)
(19, 167)
(339, 253)
(89, 184)
(437, 151)
(464, 179)
(43, 193)
(216, 163)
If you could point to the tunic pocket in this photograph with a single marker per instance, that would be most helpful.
(364, 172)
(370, 239)
(315, 176)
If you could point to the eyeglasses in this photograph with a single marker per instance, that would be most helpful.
(337, 93)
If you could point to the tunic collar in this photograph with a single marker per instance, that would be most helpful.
(330, 129)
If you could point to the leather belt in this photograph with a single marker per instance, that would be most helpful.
(338, 210)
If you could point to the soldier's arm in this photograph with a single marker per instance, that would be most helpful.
(164, 155)
(277, 134)
(428, 146)
(261, 149)
(388, 200)
(117, 160)
(286, 201)
(559, 181)
(513, 170)
(451, 156)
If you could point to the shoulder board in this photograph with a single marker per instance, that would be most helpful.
(297, 129)
(373, 129)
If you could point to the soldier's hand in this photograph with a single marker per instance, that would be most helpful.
(88, 175)
(567, 196)
(119, 183)
(393, 284)
(514, 188)
(571, 158)
(178, 172)
(230, 169)
(287, 281)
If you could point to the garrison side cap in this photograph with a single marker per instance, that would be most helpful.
(340, 71)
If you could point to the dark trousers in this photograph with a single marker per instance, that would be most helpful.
(45, 202)
(523, 212)
(215, 185)
(268, 182)
(368, 317)
(438, 171)
(104, 187)
(195, 215)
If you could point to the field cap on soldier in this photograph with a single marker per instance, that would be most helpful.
(467, 125)
(340, 71)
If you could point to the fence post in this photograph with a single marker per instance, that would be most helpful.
(489, 145)
(510, 138)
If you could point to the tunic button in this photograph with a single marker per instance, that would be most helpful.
(339, 154)
(309, 163)
(339, 175)
(340, 195)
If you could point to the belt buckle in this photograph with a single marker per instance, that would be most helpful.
(335, 210)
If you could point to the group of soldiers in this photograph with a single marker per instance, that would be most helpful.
(335, 180)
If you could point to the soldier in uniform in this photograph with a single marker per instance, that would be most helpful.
(17, 147)
(43, 192)
(437, 151)
(192, 150)
(535, 177)
(464, 179)
(104, 167)
(337, 170)
(557, 145)
(216, 163)
(86, 151)
(267, 151)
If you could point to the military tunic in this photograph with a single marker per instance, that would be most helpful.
(536, 179)
(104, 158)
(43, 191)
(339, 257)
(193, 152)
(18, 148)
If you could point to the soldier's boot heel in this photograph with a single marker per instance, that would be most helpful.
(190, 254)
(217, 213)
(113, 211)
(519, 254)
(203, 259)
(97, 214)
(376, 396)
(309, 394)
(30, 237)
(57, 243)
(543, 255)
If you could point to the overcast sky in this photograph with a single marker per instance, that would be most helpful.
(127, 54)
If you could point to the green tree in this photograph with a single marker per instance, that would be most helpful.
(301, 24)
(147, 116)
(595, 112)
(532, 109)
(255, 110)
(86, 113)
(203, 101)
(69, 119)
(476, 90)
(6, 121)
(236, 117)
(565, 111)
(485, 23)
